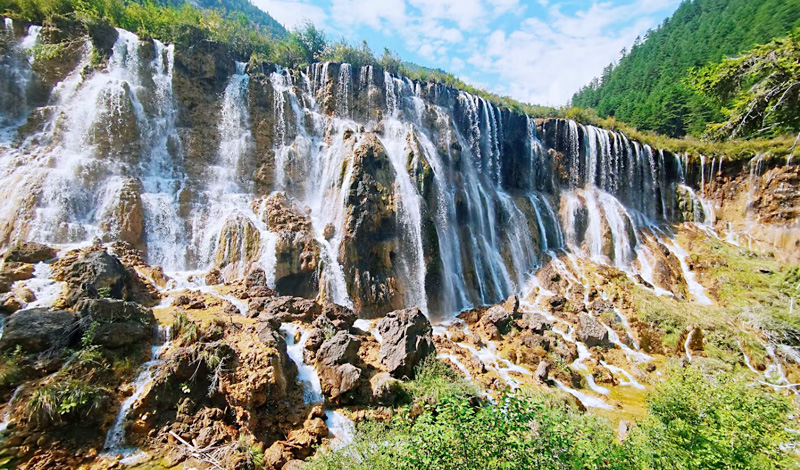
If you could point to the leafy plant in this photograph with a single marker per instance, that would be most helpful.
(435, 381)
(64, 401)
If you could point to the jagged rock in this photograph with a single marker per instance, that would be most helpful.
(277, 455)
(340, 316)
(537, 323)
(119, 323)
(385, 388)
(95, 274)
(371, 235)
(495, 322)
(407, 339)
(297, 250)
(214, 278)
(239, 245)
(30, 252)
(39, 329)
(591, 331)
(337, 374)
(512, 305)
(342, 348)
(542, 372)
(125, 220)
(285, 309)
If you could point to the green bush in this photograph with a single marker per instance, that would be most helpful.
(435, 380)
(71, 400)
(702, 422)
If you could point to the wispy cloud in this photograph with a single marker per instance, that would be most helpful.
(538, 51)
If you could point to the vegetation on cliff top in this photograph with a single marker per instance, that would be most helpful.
(177, 22)
(647, 89)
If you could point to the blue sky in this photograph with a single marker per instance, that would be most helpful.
(537, 51)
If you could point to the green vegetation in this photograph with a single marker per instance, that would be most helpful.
(759, 91)
(648, 88)
(259, 17)
(436, 381)
(64, 401)
(729, 425)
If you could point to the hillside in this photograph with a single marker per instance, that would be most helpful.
(647, 90)
(253, 13)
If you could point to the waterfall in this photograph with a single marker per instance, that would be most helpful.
(115, 439)
(479, 193)
(309, 380)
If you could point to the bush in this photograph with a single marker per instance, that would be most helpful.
(72, 401)
(702, 422)
(435, 380)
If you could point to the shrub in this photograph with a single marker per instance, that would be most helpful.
(435, 380)
(71, 400)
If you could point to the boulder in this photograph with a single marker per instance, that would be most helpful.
(542, 372)
(385, 389)
(537, 323)
(495, 321)
(30, 252)
(119, 323)
(512, 305)
(591, 331)
(407, 339)
(285, 308)
(342, 348)
(95, 274)
(39, 329)
(335, 358)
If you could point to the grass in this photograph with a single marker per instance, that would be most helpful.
(69, 401)
(435, 380)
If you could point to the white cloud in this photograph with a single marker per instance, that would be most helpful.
(541, 59)
(291, 13)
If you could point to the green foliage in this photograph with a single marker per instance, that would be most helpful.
(702, 422)
(435, 381)
(343, 52)
(694, 422)
(759, 91)
(70, 400)
(647, 87)
(185, 331)
(11, 372)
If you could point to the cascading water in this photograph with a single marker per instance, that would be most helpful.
(115, 439)
(477, 193)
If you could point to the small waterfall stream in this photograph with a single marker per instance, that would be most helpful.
(115, 439)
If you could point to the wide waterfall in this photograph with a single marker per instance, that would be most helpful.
(408, 193)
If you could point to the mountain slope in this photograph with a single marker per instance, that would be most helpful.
(252, 12)
(646, 89)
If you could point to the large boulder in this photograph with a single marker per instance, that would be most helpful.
(39, 329)
(118, 323)
(591, 331)
(30, 252)
(338, 375)
(95, 274)
(495, 321)
(407, 339)
(284, 309)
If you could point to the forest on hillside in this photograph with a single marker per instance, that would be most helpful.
(649, 89)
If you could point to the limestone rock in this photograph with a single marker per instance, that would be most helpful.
(591, 331)
(30, 252)
(119, 323)
(297, 250)
(39, 329)
(385, 388)
(407, 339)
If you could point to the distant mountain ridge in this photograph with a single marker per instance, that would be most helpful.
(646, 88)
(252, 12)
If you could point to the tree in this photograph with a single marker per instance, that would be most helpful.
(760, 90)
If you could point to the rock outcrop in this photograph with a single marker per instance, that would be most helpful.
(407, 339)
(40, 329)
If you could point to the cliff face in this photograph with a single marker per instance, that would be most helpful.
(395, 193)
